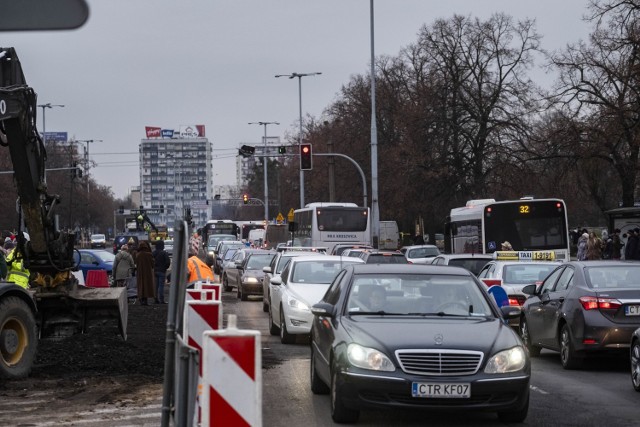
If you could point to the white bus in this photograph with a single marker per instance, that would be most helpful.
(324, 224)
(528, 224)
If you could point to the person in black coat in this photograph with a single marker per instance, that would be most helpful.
(161, 265)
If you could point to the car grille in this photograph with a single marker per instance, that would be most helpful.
(440, 362)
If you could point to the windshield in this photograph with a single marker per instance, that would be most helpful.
(229, 253)
(526, 274)
(98, 237)
(423, 252)
(106, 256)
(417, 294)
(474, 265)
(257, 261)
(317, 272)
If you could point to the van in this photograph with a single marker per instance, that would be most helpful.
(256, 236)
(389, 235)
(274, 234)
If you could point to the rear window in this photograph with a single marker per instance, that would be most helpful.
(473, 265)
(624, 276)
(386, 259)
(423, 252)
(526, 274)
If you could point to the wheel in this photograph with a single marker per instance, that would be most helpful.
(18, 338)
(635, 365)
(317, 385)
(568, 355)
(243, 296)
(265, 306)
(285, 337)
(273, 329)
(340, 413)
(517, 416)
(225, 283)
(238, 292)
(534, 350)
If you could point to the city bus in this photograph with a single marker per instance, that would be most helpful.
(218, 226)
(528, 224)
(323, 224)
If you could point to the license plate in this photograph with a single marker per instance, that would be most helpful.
(441, 390)
(632, 310)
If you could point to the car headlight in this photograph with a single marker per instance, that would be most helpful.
(210, 253)
(250, 280)
(511, 360)
(369, 358)
(298, 305)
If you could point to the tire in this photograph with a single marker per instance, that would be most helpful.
(265, 306)
(517, 416)
(340, 413)
(317, 385)
(19, 338)
(243, 296)
(568, 355)
(285, 337)
(273, 329)
(635, 365)
(525, 334)
(225, 283)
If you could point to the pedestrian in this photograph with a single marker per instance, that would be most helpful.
(582, 245)
(616, 244)
(16, 272)
(607, 244)
(123, 266)
(636, 252)
(419, 239)
(197, 270)
(632, 244)
(594, 247)
(162, 263)
(506, 246)
(3, 266)
(144, 273)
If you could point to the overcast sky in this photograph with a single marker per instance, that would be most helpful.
(138, 63)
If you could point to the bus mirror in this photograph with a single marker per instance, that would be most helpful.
(293, 226)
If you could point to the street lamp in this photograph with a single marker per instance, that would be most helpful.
(300, 76)
(264, 160)
(44, 129)
(375, 208)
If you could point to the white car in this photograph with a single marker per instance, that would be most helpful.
(303, 282)
(420, 254)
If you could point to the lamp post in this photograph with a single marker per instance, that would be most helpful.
(86, 172)
(264, 163)
(375, 209)
(300, 76)
(44, 129)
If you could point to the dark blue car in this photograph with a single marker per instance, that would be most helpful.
(94, 259)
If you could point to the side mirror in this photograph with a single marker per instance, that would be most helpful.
(323, 309)
(237, 263)
(530, 289)
(511, 311)
(266, 269)
(276, 281)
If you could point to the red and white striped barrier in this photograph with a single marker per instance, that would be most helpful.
(201, 295)
(232, 377)
(205, 286)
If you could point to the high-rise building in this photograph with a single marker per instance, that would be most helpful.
(176, 173)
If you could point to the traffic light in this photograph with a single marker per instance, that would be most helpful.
(306, 154)
(282, 150)
(245, 198)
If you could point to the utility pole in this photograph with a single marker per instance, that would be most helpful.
(86, 173)
(264, 164)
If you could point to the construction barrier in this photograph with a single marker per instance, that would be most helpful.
(205, 286)
(232, 377)
(201, 295)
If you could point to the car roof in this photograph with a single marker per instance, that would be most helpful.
(327, 258)
(465, 256)
(418, 246)
(409, 269)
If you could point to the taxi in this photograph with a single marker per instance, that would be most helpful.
(513, 270)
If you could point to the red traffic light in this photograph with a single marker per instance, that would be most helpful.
(306, 156)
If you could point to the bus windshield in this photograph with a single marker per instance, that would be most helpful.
(342, 219)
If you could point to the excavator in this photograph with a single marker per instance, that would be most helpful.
(55, 304)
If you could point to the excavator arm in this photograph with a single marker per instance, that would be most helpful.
(63, 306)
(49, 252)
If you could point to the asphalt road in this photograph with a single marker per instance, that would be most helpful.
(600, 394)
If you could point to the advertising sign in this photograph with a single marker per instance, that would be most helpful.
(152, 131)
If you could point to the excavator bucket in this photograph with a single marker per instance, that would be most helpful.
(81, 309)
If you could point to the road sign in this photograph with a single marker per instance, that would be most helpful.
(279, 218)
(290, 215)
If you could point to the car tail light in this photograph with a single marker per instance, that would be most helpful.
(492, 282)
(595, 303)
(517, 300)
(589, 341)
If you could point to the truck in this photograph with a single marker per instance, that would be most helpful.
(54, 304)
(389, 235)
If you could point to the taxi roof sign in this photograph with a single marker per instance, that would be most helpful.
(524, 255)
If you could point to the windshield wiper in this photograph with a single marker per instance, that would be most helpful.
(380, 312)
